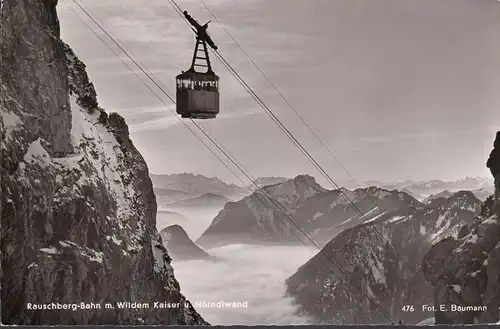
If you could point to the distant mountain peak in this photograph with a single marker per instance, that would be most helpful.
(304, 178)
(302, 185)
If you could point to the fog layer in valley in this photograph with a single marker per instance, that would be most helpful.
(244, 273)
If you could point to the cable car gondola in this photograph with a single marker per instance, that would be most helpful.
(197, 94)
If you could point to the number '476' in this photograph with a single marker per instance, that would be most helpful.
(408, 308)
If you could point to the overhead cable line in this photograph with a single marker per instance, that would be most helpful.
(378, 306)
(362, 216)
(278, 122)
(313, 161)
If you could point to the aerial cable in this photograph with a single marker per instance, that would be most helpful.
(260, 189)
(196, 124)
(320, 251)
(292, 108)
(311, 159)
(136, 61)
(161, 87)
(286, 130)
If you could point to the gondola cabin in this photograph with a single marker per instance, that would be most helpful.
(197, 95)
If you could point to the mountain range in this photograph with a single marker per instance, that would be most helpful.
(379, 240)
(183, 186)
(367, 231)
(195, 190)
(380, 261)
(276, 215)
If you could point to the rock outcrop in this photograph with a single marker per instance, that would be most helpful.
(2, 173)
(77, 206)
(380, 262)
(465, 271)
(493, 164)
(180, 247)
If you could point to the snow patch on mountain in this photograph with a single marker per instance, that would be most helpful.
(379, 257)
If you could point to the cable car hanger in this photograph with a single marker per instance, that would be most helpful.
(197, 94)
(202, 37)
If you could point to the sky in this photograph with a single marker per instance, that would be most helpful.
(393, 89)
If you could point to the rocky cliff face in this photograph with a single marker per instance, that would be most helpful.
(380, 260)
(465, 271)
(2, 173)
(77, 205)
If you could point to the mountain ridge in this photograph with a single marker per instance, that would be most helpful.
(320, 215)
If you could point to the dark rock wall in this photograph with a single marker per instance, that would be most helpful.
(77, 207)
(465, 272)
(493, 164)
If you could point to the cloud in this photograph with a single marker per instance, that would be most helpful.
(168, 119)
(420, 136)
(245, 273)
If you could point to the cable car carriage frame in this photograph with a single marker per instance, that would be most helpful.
(197, 95)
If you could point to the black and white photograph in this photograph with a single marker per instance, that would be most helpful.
(252, 162)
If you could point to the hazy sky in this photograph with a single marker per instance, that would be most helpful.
(396, 89)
